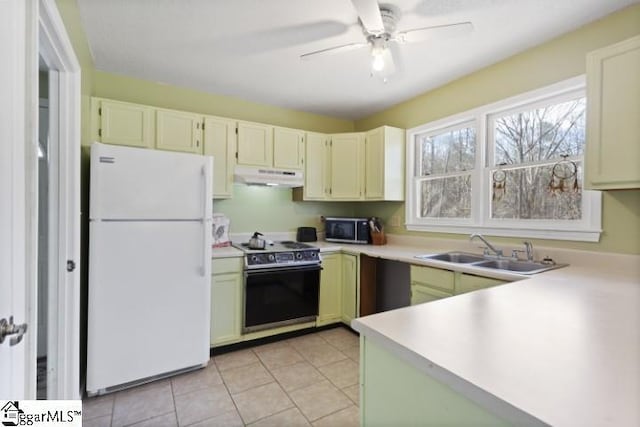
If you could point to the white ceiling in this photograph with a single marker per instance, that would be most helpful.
(250, 49)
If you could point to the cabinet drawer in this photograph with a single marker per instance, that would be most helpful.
(226, 265)
(468, 283)
(435, 277)
(421, 294)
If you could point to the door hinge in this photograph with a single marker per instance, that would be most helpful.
(100, 132)
(202, 125)
(236, 130)
(9, 328)
(236, 155)
(100, 111)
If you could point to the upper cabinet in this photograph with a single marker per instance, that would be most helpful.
(354, 166)
(123, 123)
(384, 164)
(347, 166)
(269, 146)
(613, 128)
(255, 144)
(220, 142)
(288, 148)
(317, 168)
(178, 131)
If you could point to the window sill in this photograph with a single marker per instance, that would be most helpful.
(578, 235)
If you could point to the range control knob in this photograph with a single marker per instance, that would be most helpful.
(254, 258)
(299, 255)
(272, 257)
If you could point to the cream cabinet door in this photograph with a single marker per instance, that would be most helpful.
(347, 166)
(384, 164)
(316, 173)
(421, 294)
(613, 127)
(220, 142)
(178, 131)
(288, 148)
(349, 287)
(469, 282)
(124, 123)
(374, 164)
(330, 310)
(226, 306)
(255, 144)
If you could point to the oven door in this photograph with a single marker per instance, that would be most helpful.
(280, 296)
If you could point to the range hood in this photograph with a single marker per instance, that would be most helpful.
(256, 175)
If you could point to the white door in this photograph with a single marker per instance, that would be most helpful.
(136, 183)
(13, 222)
(149, 296)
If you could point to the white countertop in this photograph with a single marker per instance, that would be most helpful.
(561, 346)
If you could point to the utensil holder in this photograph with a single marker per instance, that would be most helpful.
(378, 238)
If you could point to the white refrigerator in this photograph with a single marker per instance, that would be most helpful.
(149, 265)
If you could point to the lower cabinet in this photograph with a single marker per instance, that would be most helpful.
(338, 289)
(469, 282)
(226, 301)
(421, 293)
(430, 284)
(349, 287)
(330, 310)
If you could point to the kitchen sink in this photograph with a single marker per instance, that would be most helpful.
(504, 264)
(524, 267)
(455, 257)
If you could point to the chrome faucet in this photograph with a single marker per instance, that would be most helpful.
(528, 246)
(490, 247)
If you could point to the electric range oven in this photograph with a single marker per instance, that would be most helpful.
(281, 285)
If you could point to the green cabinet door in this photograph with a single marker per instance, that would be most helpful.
(220, 142)
(421, 294)
(330, 310)
(288, 148)
(347, 166)
(349, 287)
(469, 282)
(316, 174)
(226, 301)
(123, 123)
(178, 131)
(255, 144)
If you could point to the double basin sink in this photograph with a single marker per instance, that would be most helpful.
(504, 264)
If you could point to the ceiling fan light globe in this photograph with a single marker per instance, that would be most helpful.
(377, 64)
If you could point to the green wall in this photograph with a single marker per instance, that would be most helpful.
(161, 95)
(550, 62)
(556, 60)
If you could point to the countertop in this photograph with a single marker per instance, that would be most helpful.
(560, 347)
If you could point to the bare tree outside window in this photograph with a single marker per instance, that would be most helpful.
(446, 161)
(526, 146)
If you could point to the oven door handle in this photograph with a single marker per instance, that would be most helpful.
(261, 272)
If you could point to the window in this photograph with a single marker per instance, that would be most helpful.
(509, 168)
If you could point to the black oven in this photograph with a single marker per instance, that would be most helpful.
(280, 296)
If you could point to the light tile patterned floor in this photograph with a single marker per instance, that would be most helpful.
(310, 380)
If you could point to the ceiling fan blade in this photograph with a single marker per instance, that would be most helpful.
(333, 50)
(439, 31)
(369, 13)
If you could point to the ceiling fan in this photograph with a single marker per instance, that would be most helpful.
(379, 26)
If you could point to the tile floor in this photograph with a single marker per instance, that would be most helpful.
(310, 380)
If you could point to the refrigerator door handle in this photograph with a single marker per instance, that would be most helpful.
(206, 208)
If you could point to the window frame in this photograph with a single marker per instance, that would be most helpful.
(586, 229)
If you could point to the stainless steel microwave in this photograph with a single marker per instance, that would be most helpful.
(347, 230)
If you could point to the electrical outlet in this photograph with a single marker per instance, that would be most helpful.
(395, 221)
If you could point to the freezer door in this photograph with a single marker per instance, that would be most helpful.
(148, 302)
(136, 183)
